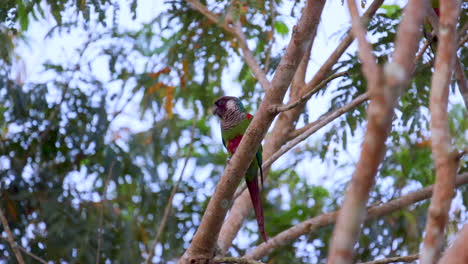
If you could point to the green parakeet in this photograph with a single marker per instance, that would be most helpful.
(234, 123)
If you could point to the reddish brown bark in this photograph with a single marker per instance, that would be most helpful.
(457, 253)
(445, 163)
(289, 235)
(281, 133)
(379, 116)
(201, 250)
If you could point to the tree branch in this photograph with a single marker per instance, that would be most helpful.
(313, 127)
(409, 258)
(236, 31)
(202, 247)
(249, 58)
(446, 165)
(10, 238)
(280, 133)
(312, 224)
(284, 123)
(459, 72)
(167, 209)
(236, 260)
(369, 65)
(457, 253)
(336, 54)
(306, 97)
(379, 116)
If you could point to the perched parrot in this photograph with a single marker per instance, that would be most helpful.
(234, 123)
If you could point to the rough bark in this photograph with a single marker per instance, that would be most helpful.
(242, 205)
(281, 133)
(379, 116)
(445, 163)
(201, 250)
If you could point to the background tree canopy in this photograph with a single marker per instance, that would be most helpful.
(95, 137)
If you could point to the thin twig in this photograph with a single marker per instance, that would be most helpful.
(371, 70)
(10, 238)
(313, 127)
(167, 210)
(236, 260)
(445, 164)
(32, 255)
(101, 213)
(305, 97)
(325, 219)
(249, 58)
(409, 258)
(236, 31)
(421, 52)
(25, 251)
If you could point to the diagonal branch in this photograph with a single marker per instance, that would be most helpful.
(459, 72)
(369, 65)
(306, 97)
(236, 260)
(236, 31)
(258, 72)
(283, 125)
(201, 249)
(167, 210)
(457, 253)
(379, 116)
(315, 126)
(10, 238)
(409, 258)
(445, 164)
(312, 224)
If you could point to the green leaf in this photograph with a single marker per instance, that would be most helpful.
(391, 10)
(281, 28)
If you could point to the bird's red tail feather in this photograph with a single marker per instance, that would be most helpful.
(257, 205)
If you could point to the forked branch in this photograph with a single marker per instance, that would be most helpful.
(236, 31)
(379, 115)
(312, 224)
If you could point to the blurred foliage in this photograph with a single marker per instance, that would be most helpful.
(78, 178)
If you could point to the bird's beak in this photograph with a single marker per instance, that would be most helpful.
(215, 110)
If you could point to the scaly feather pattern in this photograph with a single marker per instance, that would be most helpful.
(234, 123)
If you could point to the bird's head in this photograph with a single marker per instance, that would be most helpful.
(227, 105)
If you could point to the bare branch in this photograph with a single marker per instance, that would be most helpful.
(379, 116)
(202, 247)
(167, 209)
(236, 31)
(313, 127)
(308, 226)
(347, 40)
(369, 64)
(457, 253)
(409, 258)
(32, 255)
(25, 251)
(462, 81)
(250, 59)
(101, 213)
(446, 165)
(306, 97)
(10, 238)
(236, 260)
(280, 134)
